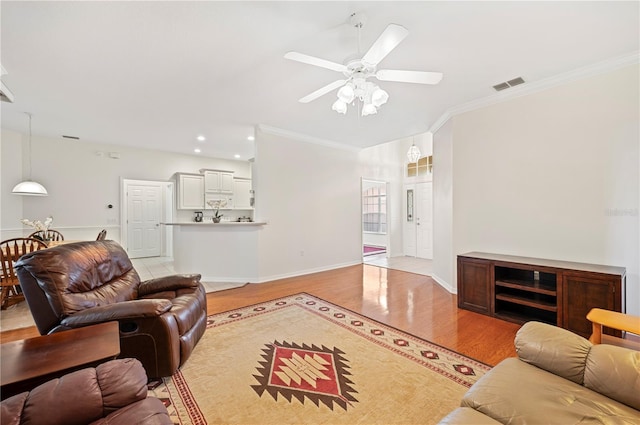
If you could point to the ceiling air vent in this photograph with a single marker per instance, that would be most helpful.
(507, 84)
(501, 86)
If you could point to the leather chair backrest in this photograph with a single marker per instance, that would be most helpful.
(65, 279)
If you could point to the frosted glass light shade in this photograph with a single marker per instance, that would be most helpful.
(346, 94)
(413, 154)
(29, 188)
(340, 107)
(368, 109)
(379, 97)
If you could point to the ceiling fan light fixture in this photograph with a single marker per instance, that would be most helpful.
(379, 97)
(340, 107)
(369, 109)
(363, 67)
(346, 94)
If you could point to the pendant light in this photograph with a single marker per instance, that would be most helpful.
(29, 187)
(413, 153)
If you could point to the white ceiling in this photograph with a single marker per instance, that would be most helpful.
(157, 74)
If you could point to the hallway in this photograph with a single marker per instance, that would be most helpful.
(407, 264)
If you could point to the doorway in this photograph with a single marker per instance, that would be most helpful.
(375, 229)
(145, 205)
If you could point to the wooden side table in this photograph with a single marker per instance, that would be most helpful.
(28, 363)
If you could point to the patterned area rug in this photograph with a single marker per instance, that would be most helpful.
(300, 359)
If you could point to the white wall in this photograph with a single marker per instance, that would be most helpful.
(310, 196)
(10, 174)
(81, 183)
(443, 260)
(553, 175)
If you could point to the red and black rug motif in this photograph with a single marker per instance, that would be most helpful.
(302, 371)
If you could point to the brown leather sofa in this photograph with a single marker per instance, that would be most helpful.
(558, 378)
(113, 393)
(84, 283)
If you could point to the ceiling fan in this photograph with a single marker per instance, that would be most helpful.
(355, 85)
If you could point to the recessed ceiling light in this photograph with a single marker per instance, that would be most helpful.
(251, 138)
(236, 156)
(197, 150)
(201, 138)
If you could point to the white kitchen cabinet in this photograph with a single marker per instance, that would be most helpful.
(190, 191)
(217, 181)
(242, 193)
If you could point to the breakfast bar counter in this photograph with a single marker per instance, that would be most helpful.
(222, 223)
(220, 252)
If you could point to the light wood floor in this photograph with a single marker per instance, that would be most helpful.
(411, 302)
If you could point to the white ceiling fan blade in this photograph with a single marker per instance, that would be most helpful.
(322, 91)
(420, 77)
(388, 40)
(311, 60)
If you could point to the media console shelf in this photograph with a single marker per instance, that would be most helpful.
(520, 289)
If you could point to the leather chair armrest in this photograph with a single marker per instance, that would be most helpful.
(118, 311)
(168, 283)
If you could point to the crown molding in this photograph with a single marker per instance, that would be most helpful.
(305, 138)
(538, 86)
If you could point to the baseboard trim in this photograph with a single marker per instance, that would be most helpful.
(214, 279)
(266, 279)
(444, 284)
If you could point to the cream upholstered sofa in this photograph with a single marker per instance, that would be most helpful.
(558, 378)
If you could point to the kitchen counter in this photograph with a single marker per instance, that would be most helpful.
(220, 252)
(222, 223)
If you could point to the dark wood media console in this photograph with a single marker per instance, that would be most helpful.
(520, 289)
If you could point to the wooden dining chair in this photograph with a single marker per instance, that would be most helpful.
(47, 235)
(102, 235)
(10, 251)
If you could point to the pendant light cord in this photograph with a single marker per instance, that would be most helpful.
(30, 167)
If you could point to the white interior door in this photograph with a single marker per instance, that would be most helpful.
(424, 220)
(144, 209)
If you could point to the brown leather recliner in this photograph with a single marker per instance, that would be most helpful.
(113, 393)
(84, 283)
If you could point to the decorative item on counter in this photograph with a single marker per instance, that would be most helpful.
(198, 217)
(37, 224)
(216, 205)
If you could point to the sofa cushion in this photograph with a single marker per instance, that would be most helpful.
(614, 372)
(149, 411)
(516, 392)
(122, 382)
(554, 349)
(467, 416)
(73, 399)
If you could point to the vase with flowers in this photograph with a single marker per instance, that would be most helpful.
(38, 225)
(216, 205)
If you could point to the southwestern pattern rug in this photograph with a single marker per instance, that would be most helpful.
(303, 360)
